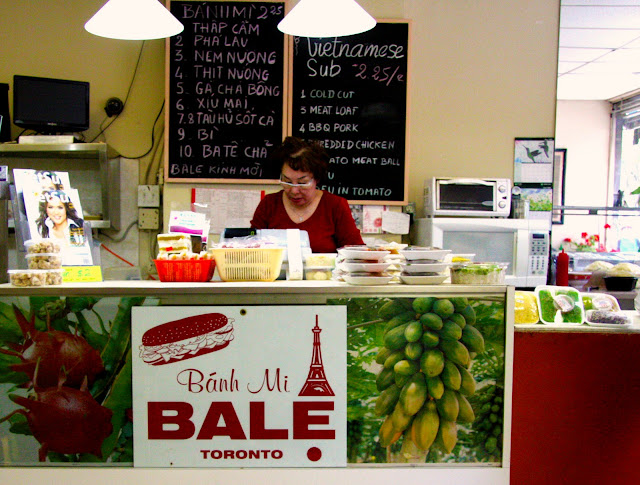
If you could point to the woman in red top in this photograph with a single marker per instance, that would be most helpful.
(301, 205)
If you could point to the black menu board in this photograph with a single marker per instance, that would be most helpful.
(225, 91)
(350, 93)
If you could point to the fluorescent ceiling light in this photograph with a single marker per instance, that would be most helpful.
(326, 18)
(134, 20)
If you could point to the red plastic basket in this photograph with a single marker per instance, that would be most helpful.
(192, 270)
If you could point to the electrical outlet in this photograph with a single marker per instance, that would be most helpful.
(148, 196)
(148, 218)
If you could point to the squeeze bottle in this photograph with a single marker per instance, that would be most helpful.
(562, 269)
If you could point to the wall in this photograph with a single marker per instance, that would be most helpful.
(481, 74)
(583, 128)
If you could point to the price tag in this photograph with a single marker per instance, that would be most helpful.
(81, 274)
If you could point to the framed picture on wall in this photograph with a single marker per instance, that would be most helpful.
(533, 160)
(559, 169)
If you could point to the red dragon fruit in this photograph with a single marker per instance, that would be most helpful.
(52, 351)
(65, 420)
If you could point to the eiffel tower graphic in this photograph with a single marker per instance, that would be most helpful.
(316, 383)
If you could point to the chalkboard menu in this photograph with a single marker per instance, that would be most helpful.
(350, 93)
(225, 82)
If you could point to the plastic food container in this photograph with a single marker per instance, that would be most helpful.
(526, 308)
(559, 304)
(599, 301)
(248, 264)
(362, 252)
(321, 259)
(410, 279)
(478, 273)
(413, 268)
(42, 246)
(365, 279)
(44, 260)
(602, 318)
(620, 283)
(354, 266)
(413, 253)
(35, 277)
(318, 273)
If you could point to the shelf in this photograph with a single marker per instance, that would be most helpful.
(591, 211)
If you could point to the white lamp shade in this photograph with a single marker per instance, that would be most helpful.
(326, 18)
(134, 20)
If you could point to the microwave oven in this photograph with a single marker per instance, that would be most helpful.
(467, 197)
(521, 243)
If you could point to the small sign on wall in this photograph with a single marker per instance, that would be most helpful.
(234, 386)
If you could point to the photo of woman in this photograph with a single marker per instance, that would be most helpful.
(59, 219)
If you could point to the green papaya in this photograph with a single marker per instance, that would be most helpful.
(443, 308)
(399, 419)
(424, 428)
(467, 382)
(413, 350)
(413, 394)
(406, 367)
(451, 377)
(465, 413)
(459, 303)
(423, 304)
(447, 436)
(383, 353)
(401, 379)
(430, 339)
(431, 321)
(398, 320)
(413, 331)
(435, 387)
(455, 351)
(387, 434)
(469, 315)
(391, 309)
(394, 339)
(448, 406)
(384, 379)
(458, 319)
(473, 339)
(432, 362)
(394, 358)
(450, 331)
(387, 400)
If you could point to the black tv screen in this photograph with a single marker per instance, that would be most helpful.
(50, 105)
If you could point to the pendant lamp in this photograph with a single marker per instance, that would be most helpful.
(326, 18)
(134, 20)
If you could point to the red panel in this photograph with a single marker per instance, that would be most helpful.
(576, 409)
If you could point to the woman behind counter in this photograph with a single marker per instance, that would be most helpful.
(301, 205)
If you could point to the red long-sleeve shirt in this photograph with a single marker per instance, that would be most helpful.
(331, 226)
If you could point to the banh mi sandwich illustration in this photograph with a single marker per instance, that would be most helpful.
(186, 338)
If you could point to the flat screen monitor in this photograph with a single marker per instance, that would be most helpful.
(50, 105)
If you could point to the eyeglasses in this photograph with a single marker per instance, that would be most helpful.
(302, 185)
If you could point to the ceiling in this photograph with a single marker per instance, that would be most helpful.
(599, 49)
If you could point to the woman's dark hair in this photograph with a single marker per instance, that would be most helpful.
(70, 210)
(303, 156)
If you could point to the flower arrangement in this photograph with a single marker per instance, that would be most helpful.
(586, 243)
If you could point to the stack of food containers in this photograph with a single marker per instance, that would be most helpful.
(44, 263)
(364, 265)
(424, 266)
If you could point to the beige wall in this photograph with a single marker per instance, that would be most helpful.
(482, 72)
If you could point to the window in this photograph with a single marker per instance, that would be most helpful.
(626, 127)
